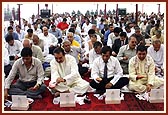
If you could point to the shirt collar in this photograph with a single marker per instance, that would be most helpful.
(33, 62)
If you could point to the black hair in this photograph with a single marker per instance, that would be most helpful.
(141, 48)
(117, 30)
(96, 44)
(8, 38)
(64, 19)
(91, 31)
(10, 28)
(59, 50)
(123, 34)
(110, 25)
(30, 30)
(26, 51)
(71, 30)
(106, 49)
(53, 26)
(18, 26)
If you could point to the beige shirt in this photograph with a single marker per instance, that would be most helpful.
(144, 68)
(155, 38)
(35, 73)
(37, 52)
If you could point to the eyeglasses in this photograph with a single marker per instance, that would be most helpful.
(69, 36)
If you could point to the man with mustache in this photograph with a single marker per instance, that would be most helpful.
(126, 52)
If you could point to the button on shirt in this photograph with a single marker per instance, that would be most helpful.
(35, 73)
(114, 69)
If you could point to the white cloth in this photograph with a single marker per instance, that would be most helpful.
(6, 57)
(158, 56)
(114, 69)
(111, 39)
(49, 40)
(86, 27)
(15, 49)
(21, 35)
(92, 56)
(68, 70)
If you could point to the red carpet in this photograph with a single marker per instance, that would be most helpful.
(130, 103)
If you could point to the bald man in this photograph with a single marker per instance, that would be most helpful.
(37, 52)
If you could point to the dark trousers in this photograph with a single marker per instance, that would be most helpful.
(22, 88)
(7, 69)
(101, 86)
(82, 70)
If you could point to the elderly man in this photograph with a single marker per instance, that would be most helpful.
(77, 53)
(142, 72)
(31, 77)
(156, 51)
(107, 72)
(37, 52)
(50, 41)
(158, 36)
(64, 74)
(126, 52)
(38, 42)
(70, 37)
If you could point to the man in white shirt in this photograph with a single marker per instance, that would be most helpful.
(64, 74)
(50, 41)
(7, 66)
(36, 30)
(94, 52)
(86, 26)
(14, 47)
(107, 72)
(21, 33)
(156, 51)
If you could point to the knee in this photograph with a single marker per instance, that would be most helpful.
(43, 87)
(137, 88)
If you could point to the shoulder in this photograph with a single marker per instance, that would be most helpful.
(36, 60)
(36, 47)
(133, 59)
(69, 57)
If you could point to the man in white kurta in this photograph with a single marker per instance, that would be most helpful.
(64, 74)
(142, 72)
(156, 51)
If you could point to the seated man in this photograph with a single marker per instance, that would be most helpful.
(64, 74)
(14, 47)
(94, 52)
(37, 52)
(142, 72)
(126, 52)
(31, 76)
(156, 51)
(107, 72)
(77, 53)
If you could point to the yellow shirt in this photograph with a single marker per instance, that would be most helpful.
(75, 43)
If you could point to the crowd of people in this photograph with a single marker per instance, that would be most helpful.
(64, 48)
